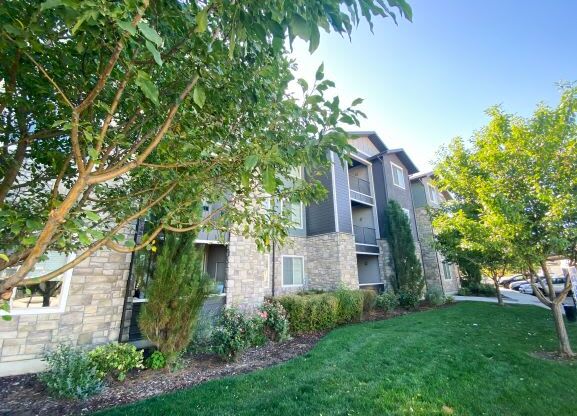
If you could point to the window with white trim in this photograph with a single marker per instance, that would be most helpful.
(45, 297)
(398, 175)
(433, 194)
(295, 212)
(447, 271)
(292, 270)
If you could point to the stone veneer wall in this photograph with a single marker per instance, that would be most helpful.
(247, 277)
(329, 261)
(432, 262)
(92, 315)
(386, 267)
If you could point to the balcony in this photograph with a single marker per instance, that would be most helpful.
(365, 235)
(360, 190)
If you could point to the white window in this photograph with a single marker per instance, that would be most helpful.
(398, 175)
(292, 270)
(295, 212)
(447, 271)
(407, 213)
(433, 195)
(45, 297)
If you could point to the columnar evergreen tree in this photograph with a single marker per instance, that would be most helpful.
(176, 293)
(408, 271)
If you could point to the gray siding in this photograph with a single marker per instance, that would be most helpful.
(380, 194)
(343, 197)
(320, 217)
(395, 193)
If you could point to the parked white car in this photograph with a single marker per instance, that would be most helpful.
(558, 286)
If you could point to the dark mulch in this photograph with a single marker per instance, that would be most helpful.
(25, 395)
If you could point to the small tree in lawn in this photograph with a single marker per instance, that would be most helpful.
(520, 174)
(464, 237)
(408, 271)
(176, 294)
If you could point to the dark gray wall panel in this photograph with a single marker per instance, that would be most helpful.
(343, 197)
(320, 217)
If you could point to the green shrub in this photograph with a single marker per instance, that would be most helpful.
(388, 301)
(71, 373)
(369, 300)
(350, 305)
(480, 289)
(175, 295)
(235, 332)
(314, 312)
(116, 359)
(449, 300)
(435, 296)
(276, 324)
(464, 291)
(409, 299)
(156, 361)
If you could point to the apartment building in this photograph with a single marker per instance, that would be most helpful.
(337, 242)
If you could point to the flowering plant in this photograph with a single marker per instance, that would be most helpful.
(276, 324)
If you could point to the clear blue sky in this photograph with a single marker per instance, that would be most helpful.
(431, 80)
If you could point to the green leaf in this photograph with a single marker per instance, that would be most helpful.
(300, 27)
(4, 257)
(91, 215)
(155, 54)
(28, 241)
(199, 96)
(269, 181)
(83, 238)
(320, 74)
(201, 21)
(147, 86)
(357, 101)
(50, 4)
(250, 162)
(127, 26)
(315, 38)
(149, 33)
(304, 85)
(93, 153)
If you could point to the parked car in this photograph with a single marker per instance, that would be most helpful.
(511, 279)
(558, 286)
(518, 283)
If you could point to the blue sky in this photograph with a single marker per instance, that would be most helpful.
(431, 80)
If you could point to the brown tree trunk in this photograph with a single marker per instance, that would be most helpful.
(564, 344)
(498, 290)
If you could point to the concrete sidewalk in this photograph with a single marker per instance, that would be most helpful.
(509, 296)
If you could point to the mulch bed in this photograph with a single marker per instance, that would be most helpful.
(25, 395)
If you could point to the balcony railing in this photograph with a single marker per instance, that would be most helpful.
(365, 235)
(360, 185)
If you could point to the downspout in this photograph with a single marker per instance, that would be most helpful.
(273, 267)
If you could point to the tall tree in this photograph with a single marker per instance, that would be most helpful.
(112, 109)
(176, 293)
(408, 271)
(520, 174)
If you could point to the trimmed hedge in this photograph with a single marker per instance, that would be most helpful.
(317, 312)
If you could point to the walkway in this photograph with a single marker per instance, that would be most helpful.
(509, 296)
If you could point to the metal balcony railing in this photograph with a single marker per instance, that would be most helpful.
(365, 235)
(360, 185)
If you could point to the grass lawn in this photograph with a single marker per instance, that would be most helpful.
(473, 358)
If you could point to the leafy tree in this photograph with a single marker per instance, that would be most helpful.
(408, 271)
(111, 110)
(520, 175)
(464, 237)
(175, 294)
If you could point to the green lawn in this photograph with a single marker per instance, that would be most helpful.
(472, 357)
